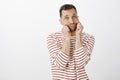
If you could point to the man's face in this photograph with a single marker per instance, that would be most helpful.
(69, 18)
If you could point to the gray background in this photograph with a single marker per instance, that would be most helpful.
(25, 24)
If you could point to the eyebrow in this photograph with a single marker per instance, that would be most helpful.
(73, 15)
(66, 16)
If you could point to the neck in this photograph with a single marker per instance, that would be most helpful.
(73, 33)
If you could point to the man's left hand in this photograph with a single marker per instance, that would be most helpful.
(79, 29)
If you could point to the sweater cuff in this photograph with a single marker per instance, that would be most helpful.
(64, 56)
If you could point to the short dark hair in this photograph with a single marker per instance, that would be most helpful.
(66, 7)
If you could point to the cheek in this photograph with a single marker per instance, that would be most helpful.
(65, 23)
(76, 21)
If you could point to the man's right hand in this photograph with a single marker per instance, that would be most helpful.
(66, 32)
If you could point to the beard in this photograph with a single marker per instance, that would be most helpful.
(72, 27)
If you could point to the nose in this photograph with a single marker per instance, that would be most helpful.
(70, 20)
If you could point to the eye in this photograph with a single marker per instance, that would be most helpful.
(75, 17)
(66, 18)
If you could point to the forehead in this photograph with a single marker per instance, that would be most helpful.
(69, 12)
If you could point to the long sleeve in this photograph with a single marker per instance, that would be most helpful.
(57, 58)
(82, 55)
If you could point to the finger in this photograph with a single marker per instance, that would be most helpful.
(78, 25)
(66, 28)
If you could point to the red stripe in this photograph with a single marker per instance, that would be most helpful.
(80, 56)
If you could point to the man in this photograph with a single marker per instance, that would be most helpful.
(70, 49)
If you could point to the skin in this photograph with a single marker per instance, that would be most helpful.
(71, 27)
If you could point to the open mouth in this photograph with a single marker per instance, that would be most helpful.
(72, 27)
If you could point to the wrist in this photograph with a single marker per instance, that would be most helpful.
(77, 35)
(67, 38)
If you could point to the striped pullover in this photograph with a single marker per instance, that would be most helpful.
(71, 67)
